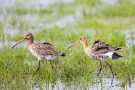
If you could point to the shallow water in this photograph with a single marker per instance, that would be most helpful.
(5, 3)
(33, 20)
(109, 2)
(62, 22)
(97, 85)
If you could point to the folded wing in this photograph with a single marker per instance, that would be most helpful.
(100, 47)
(44, 49)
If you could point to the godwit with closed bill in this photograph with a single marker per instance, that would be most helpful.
(99, 50)
(43, 51)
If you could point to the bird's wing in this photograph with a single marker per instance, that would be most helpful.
(45, 49)
(100, 47)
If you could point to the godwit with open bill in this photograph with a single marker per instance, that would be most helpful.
(99, 50)
(43, 51)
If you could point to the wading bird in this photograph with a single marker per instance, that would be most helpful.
(99, 50)
(43, 51)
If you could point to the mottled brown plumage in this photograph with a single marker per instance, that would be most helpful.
(99, 50)
(43, 51)
(102, 47)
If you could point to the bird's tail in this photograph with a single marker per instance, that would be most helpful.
(116, 56)
(63, 54)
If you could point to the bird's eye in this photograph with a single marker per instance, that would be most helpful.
(80, 38)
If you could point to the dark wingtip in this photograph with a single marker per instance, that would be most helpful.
(63, 54)
(118, 48)
(70, 47)
(116, 56)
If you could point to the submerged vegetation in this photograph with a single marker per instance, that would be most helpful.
(62, 23)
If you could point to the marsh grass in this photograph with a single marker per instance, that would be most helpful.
(19, 8)
(18, 64)
(1, 31)
(120, 9)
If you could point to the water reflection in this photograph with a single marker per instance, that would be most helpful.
(101, 84)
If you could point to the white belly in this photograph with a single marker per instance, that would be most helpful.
(50, 57)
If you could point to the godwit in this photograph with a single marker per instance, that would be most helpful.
(99, 50)
(43, 51)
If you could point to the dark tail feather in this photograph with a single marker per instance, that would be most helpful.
(118, 48)
(63, 54)
(116, 56)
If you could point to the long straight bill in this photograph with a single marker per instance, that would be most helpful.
(74, 44)
(19, 42)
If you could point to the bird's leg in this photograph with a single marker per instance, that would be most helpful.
(129, 82)
(100, 68)
(52, 65)
(37, 68)
(112, 74)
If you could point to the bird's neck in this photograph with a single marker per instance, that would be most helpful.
(30, 42)
(85, 44)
